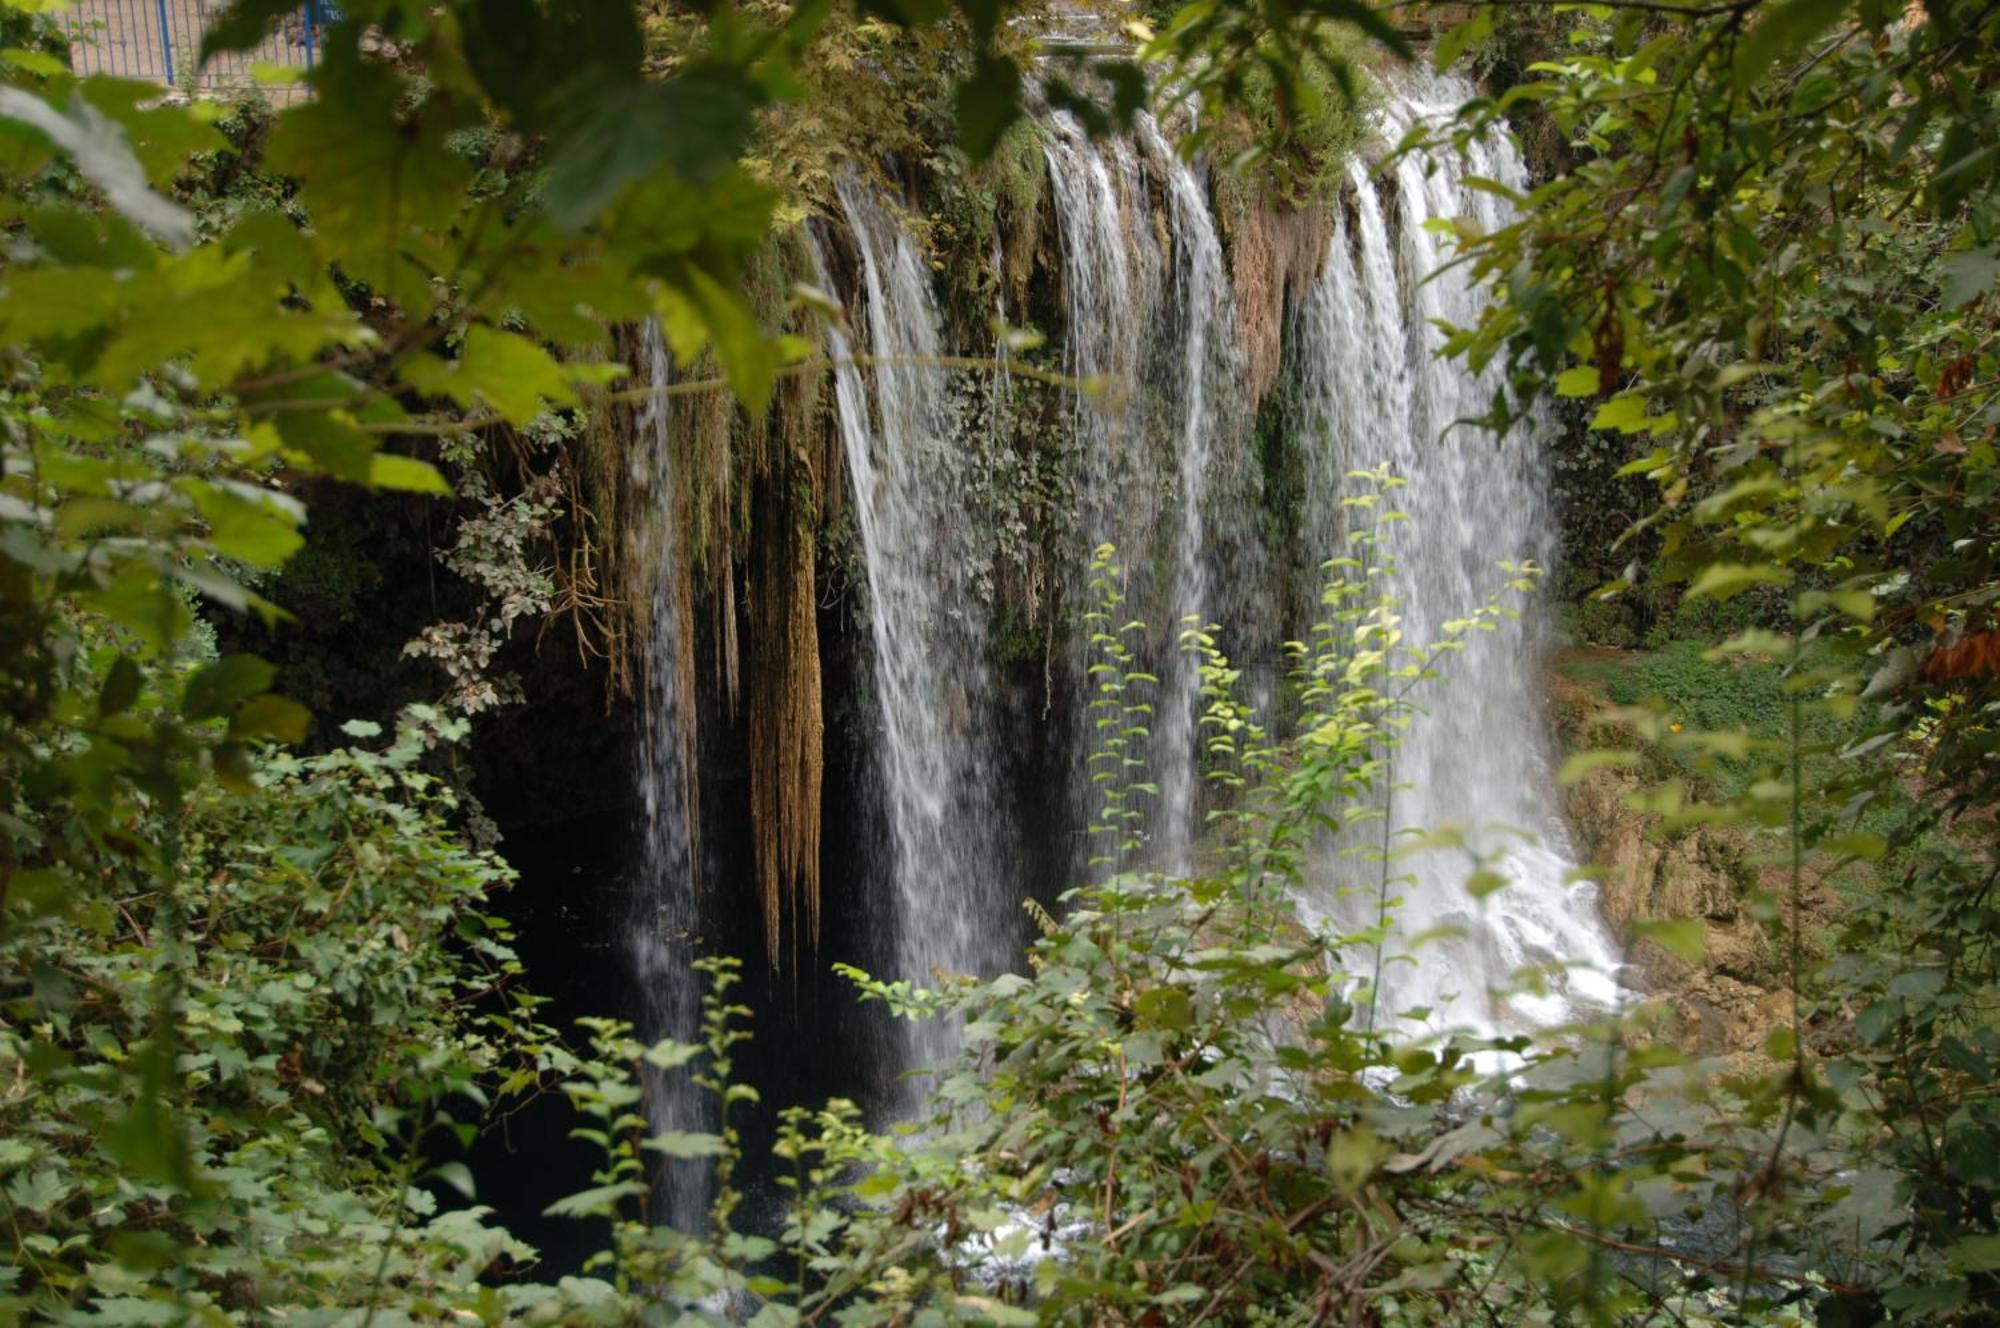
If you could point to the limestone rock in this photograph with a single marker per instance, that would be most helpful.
(1727, 1002)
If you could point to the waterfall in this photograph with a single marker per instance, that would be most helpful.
(1156, 328)
(1204, 325)
(1163, 468)
(1376, 391)
(1353, 371)
(1106, 296)
(664, 910)
(1111, 280)
(952, 901)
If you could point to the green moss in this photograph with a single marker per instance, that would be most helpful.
(1600, 622)
(1749, 696)
(1676, 618)
(1593, 670)
(978, 211)
(1016, 638)
(1702, 695)
(1294, 143)
(1281, 467)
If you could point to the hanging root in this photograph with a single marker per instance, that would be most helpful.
(786, 724)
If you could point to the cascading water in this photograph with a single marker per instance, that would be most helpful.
(1111, 276)
(1108, 294)
(664, 909)
(1204, 325)
(1353, 378)
(953, 898)
(1158, 330)
(1377, 392)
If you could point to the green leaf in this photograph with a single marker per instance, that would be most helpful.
(103, 155)
(694, 124)
(222, 686)
(1455, 42)
(1579, 766)
(1627, 413)
(457, 1175)
(1167, 1007)
(503, 370)
(1578, 382)
(164, 135)
(147, 1251)
(1644, 465)
(989, 102)
(1351, 1158)
(1781, 1044)
(1685, 938)
(1975, 1254)
(121, 688)
(376, 175)
(144, 1139)
(996, 1312)
(1127, 79)
(387, 470)
(1922, 1299)
(328, 440)
(1722, 581)
(1969, 276)
(600, 1201)
(139, 601)
(1919, 984)
(670, 1054)
(750, 360)
(271, 716)
(1876, 1022)
(254, 532)
(40, 892)
(1856, 844)
(686, 1144)
(1780, 31)
(542, 61)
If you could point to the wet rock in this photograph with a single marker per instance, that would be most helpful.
(1727, 1002)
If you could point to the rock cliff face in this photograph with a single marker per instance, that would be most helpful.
(1727, 1003)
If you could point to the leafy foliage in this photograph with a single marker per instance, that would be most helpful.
(1769, 264)
(1289, 65)
(247, 995)
(185, 1051)
(1187, 1112)
(237, 1003)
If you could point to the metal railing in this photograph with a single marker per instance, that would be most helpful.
(161, 40)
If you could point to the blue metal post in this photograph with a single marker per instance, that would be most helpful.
(312, 21)
(166, 47)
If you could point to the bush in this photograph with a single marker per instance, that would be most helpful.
(239, 1066)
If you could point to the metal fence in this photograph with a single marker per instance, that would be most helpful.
(161, 40)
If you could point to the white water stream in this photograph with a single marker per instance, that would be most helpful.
(908, 476)
(664, 911)
(1152, 318)
(1479, 759)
